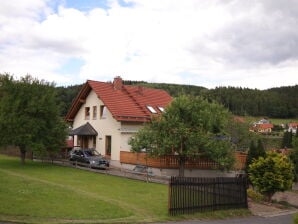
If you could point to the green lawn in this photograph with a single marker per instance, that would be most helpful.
(45, 193)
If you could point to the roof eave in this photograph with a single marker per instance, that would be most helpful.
(78, 102)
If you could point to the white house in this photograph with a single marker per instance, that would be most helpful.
(104, 115)
(293, 127)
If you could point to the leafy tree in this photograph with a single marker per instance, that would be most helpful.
(190, 126)
(271, 174)
(260, 149)
(251, 155)
(29, 115)
(287, 140)
(66, 95)
(294, 155)
(241, 136)
(254, 152)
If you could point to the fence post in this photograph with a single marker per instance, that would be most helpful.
(170, 196)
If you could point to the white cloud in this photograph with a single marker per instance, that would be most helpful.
(207, 43)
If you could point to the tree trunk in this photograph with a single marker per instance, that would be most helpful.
(181, 166)
(269, 196)
(23, 154)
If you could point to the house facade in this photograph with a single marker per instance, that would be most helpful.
(293, 127)
(104, 115)
(262, 126)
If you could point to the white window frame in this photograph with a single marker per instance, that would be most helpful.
(151, 109)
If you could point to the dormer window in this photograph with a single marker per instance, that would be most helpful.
(151, 109)
(161, 109)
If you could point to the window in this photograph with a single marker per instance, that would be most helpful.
(108, 145)
(161, 109)
(151, 109)
(103, 112)
(94, 114)
(94, 142)
(87, 113)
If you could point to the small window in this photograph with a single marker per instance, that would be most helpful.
(87, 113)
(161, 109)
(94, 113)
(151, 109)
(103, 112)
(108, 145)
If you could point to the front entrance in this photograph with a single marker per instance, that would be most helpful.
(87, 142)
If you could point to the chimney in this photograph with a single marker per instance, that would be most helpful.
(118, 83)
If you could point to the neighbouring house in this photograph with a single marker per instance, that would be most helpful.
(262, 128)
(68, 147)
(292, 127)
(104, 115)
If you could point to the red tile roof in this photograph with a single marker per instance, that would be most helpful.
(264, 126)
(126, 103)
(293, 125)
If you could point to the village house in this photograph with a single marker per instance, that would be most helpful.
(292, 127)
(104, 115)
(262, 126)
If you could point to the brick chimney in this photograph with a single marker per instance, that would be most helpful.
(117, 83)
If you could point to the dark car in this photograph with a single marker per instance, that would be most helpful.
(90, 157)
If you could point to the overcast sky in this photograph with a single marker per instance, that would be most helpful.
(206, 43)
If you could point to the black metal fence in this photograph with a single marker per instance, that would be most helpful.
(189, 195)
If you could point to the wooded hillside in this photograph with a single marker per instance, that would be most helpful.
(276, 102)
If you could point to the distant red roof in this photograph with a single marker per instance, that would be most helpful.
(126, 103)
(264, 126)
(293, 125)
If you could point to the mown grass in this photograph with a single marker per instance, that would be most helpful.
(45, 193)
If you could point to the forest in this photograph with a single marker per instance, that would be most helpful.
(279, 102)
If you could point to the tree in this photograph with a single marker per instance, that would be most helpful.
(239, 131)
(287, 140)
(254, 152)
(29, 115)
(251, 155)
(190, 126)
(260, 149)
(294, 155)
(271, 174)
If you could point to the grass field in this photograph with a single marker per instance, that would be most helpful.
(45, 193)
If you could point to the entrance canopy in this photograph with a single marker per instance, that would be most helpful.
(84, 130)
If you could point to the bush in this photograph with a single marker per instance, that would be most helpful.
(271, 174)
(296, 218)
(255, 196)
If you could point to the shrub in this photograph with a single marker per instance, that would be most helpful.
(296, 218)
(271, 174)
(255, 196)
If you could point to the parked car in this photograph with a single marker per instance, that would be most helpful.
(90, 157)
